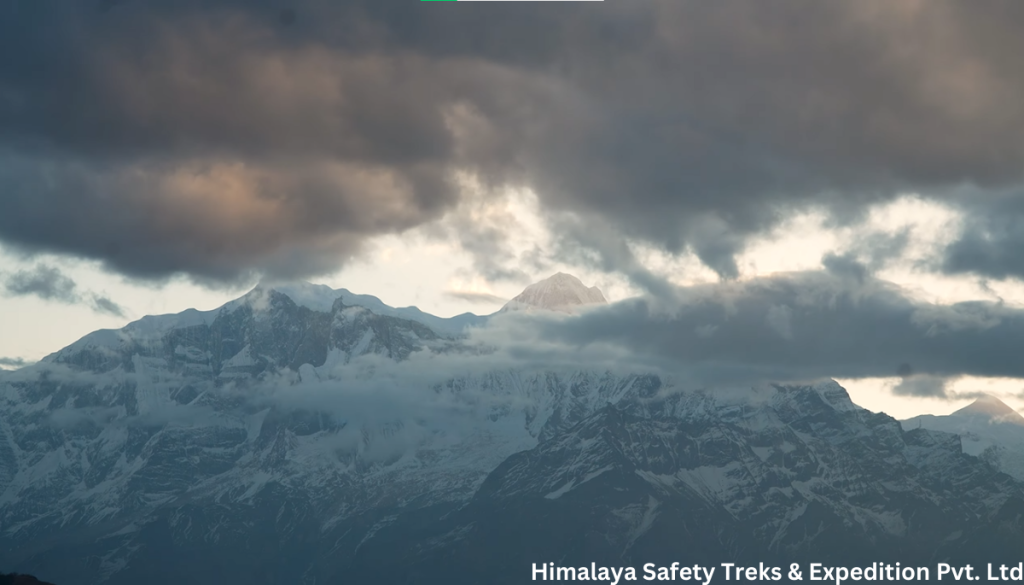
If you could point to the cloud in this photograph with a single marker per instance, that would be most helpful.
(799, 326)
(222, 139)
(45, 282)
(13, 362)
(845, 266)
(485, 226)
(927, 386)
(475, 297)
(990, 240)
(49, 283)
(779, 319)
(791, 327)
(102, 304)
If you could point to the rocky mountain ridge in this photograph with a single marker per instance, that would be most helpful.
(277, 441)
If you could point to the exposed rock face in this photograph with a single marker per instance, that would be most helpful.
(561, 292)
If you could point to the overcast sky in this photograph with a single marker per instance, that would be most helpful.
(161, 155)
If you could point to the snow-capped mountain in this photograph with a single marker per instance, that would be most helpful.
(296, 436)
(988, 428)
(560, 292)
(773, 475)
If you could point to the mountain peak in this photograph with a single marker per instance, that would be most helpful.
(991, 407)
(559, 292)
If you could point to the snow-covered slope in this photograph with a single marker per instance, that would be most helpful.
(286, 439)
(561, 292)
(988, 428)
(320, 297)
(770, 475)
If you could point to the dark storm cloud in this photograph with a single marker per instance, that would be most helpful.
(804, 326)
(49, 283)
(222, 138)
(991, 240)
(845, 266)
(929, 386)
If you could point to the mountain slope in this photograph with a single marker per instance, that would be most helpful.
(988, 428)
(125, 438)
(276, 441)
(774, 475)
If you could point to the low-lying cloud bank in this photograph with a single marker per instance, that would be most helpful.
(798, 326)
(793, 327)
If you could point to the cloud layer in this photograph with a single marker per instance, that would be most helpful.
(220, 139)
(794, 327)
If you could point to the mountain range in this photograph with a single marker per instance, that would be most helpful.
(301, 434)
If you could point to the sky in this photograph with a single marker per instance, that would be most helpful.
(802, 190)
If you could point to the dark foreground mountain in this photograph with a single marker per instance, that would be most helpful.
(17, 579)
(276, 441)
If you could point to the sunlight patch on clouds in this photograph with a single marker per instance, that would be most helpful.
(934, 224)
(481, 253)
(916, 232)
(796, 244)
(942, 289)
(876, 394)
(800, 242)
(680, 269)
